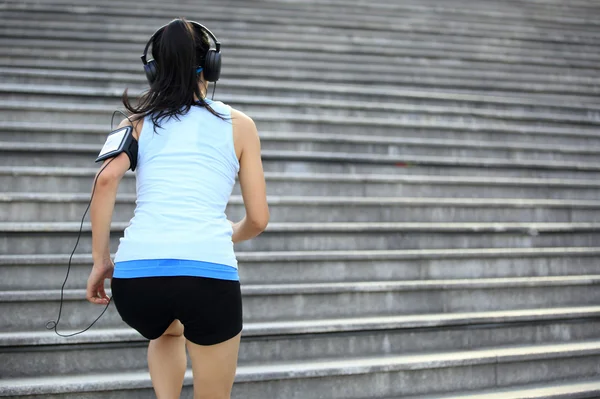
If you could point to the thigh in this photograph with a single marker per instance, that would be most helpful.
(143, 304)
(209, 309)
(214, 368)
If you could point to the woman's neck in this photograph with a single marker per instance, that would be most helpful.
(203, 87)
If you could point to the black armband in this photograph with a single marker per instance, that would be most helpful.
(118, 141)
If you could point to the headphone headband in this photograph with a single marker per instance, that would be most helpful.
(199, 25)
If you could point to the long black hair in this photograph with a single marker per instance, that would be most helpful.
(178, 50)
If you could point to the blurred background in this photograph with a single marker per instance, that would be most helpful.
(432, 170)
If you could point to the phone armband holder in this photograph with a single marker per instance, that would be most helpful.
(118, 141)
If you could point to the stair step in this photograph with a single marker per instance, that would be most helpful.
(338, 92)
(293, 328)
(21, 353)
(576, 19)
(284, 66)
(46, 207)
(52, 134)
(61, 179)
(22, 73)
(83, 155)
(458, 133)
(543, 10)
(486, 112)
(423, 44)
(374, 93)
(336, 44)
(52, 238)
(32, 272)
(563, 390)
(419, 23)
(269, 302)
(375, 377)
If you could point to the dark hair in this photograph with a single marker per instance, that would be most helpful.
(178, 50)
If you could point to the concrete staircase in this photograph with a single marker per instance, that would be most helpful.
(432, 173)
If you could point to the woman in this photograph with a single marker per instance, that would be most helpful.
(175, 276)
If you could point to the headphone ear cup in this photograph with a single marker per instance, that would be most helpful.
(212, 65)
(151, 70)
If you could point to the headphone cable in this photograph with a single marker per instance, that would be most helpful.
(53, 324)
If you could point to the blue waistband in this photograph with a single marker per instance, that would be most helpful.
(174, 267)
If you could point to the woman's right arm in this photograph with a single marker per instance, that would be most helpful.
(251, 178)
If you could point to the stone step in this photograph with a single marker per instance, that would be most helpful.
(408, 126)
(31, 354)
(129, 75)
(69, 207)
(98, 114)
(15, 154)
(544, 6)
(420, 46)
(86, 135)
(578, 389)
(59, 238)
(35, 272)
(372, 377)
(470, 26)
(229, 30)
(547, 121)
(231, 89)
(578, 12)
(577, 18)
(31, 310)
(93, 136)
(526, 53)
(79, 180)
(72, 58)
(14, 50)
(582, 95)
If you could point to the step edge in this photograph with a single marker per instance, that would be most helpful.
(319, 326)
(309, 369)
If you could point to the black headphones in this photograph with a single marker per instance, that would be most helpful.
(212, 59)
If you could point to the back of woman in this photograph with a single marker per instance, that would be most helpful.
(185, 174)
(175, 278)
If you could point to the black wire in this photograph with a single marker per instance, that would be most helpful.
(52, 324)
(214, 88)
(112, 119)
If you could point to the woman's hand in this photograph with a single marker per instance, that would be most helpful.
(235, 227)
(95, 284)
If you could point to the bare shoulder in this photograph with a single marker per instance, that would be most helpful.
(244, 127)
(242, 120)
(245, 134)
(138, 122)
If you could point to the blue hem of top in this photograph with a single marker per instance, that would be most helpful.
(174, 267)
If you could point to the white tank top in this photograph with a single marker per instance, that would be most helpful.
(184, 178)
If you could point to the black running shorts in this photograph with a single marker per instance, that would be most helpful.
(209, 309)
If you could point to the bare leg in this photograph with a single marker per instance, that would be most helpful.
(214, 368)
(167, 362)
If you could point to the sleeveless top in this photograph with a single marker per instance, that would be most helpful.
(185, 175)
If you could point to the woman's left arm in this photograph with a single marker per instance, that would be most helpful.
(101, 210)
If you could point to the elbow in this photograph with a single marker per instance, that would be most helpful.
(106, 180)
(260, 223)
